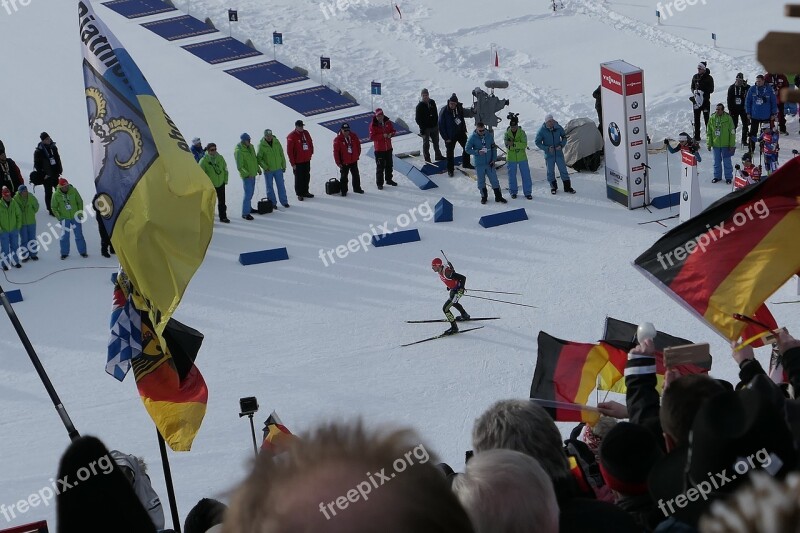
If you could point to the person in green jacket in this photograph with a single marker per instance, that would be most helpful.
(29, 206)
(67, 206)
(10, 222)
(721, 138)
(272, 160)
(215, 167)
(247, 164)
(516, 143)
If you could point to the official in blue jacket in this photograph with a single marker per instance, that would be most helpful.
(761, 106)
(481, 146)
(551, 139)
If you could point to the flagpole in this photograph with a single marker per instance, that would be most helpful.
(37, 364)
(173, 506)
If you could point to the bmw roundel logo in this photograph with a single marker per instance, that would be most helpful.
(636, 130)
(685, 196)
(638, 181)
(614, 134)
(637, 155)
(635, 105)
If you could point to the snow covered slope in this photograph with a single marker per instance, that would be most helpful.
(319, 342)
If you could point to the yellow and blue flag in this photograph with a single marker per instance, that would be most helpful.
(158, 207)
(155, 201)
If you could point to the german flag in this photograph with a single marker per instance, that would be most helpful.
(277, 438)
(622, 335)
(567, 372)
(734, 255)
(172, 389)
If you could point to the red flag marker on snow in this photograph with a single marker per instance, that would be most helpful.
(496, 59)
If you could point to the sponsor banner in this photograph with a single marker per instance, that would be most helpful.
(611, 80)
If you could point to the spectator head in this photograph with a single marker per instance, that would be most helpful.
(196, 141)
(333, 481)
(680, 403)
(739, 79)
(523, 426)
(298, 125)
(6, 192)
(424, 94)
(211, 148)
(760, 80)
(627, 454)
(505, 491)
(2, 155)
(514, 122)
(701, 66)
(480, 127)
(720, 109)
(452, 101)
(346, 128)
(379, 113)
(268, 134)
(23, 190)
(63, 184)
(103, 501)
(45, 137)
(205, 515)
(245, 138)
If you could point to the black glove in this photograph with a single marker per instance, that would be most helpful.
(666, 141)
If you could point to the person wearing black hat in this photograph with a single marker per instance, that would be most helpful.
(427, 117)
(453, 129)
(10, 176)
(737, 93)
(778, 82)
(300, 149)
(346, 151)
(627, 455)
(702, 86)
(47, 162)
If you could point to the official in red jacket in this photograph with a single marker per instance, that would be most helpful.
(300, 148)
(381, 131)
(346, 151)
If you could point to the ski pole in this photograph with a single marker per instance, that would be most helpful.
(495, 292)
(501, 301)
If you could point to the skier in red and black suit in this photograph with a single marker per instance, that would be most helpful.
(455, 283)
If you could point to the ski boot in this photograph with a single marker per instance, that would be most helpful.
(453, 329)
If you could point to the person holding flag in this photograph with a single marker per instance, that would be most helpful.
(455, 284)
(749, 174)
